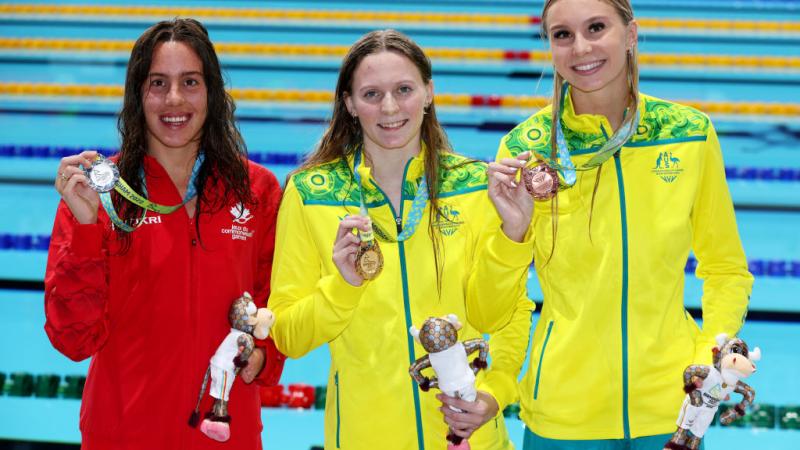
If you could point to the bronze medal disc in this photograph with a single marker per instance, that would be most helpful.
(541, 182)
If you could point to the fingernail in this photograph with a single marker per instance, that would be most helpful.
(514, 185)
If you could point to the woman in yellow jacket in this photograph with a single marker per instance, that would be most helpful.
(640, 183)
(385, 152)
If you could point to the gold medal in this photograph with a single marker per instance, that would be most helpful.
(369, 259)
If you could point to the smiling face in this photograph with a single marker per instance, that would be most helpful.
(175, 99)
(388, 96)
(589, 41)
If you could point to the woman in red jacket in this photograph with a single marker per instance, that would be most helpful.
(146, 293)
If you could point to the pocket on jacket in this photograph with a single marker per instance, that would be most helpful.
(338, 415)
(540, 365)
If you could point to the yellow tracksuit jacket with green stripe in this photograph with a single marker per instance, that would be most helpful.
(614, 337)
(371, 400)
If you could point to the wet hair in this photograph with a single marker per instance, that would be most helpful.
(220, 140)
(344, 133)
(625, 12)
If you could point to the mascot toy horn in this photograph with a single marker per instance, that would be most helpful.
(706, 386)
(448, 357)
(231, 356)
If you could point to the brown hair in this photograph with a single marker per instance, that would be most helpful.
(344, 134)
(625, 12)
(220, 141)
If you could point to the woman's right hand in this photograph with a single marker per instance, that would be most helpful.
(510, 198)
(346, 246)
(72, 185)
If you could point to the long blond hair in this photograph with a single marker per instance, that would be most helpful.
(625, 12)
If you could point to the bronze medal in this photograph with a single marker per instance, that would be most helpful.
(540, 181)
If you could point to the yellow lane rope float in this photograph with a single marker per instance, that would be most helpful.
(326, 97)
(479, 19)
(338, 51)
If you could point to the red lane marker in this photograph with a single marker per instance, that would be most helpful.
(478, 100)
(486, 100)
(514, 55)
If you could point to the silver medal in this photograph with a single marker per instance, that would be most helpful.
(103, 175)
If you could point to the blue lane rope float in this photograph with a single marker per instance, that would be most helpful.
(786, 174)
(761, 268)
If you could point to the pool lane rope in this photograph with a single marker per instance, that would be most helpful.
(350, 16)
(524, 102)
(338, 51)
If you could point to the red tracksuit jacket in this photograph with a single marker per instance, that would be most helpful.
(152, 317)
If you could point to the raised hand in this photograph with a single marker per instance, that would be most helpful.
(72, 185)
(510, 198)
(345, 247)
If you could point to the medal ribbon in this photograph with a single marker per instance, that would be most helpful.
(417, 206)
(566, 169)
(127, 192)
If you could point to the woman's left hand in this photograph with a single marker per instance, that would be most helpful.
(254, 365)
(474, 414)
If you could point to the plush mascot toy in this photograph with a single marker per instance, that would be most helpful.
(706, 386)
(231, 356)
(448, 357)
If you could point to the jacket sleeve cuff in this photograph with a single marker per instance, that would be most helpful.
(508, 252)
(500, 386)
(270, 375)
(87, 240)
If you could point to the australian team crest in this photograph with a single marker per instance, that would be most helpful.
(667, 167)
(448, 221)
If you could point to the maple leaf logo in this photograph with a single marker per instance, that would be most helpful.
(241, 215)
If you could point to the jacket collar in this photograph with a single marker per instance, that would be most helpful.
(593, 124)
(414, 168)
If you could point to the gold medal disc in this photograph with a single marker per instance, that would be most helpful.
(369, 261)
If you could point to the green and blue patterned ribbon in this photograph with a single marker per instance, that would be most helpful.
(126, 191)
(417, 206)
(566, 169)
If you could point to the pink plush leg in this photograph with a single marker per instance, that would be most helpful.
(218, 431)
(464, 445)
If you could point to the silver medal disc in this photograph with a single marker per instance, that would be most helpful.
(103, 175)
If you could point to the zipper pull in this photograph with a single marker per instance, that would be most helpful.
(399, 222)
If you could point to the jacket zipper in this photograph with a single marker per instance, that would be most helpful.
(338, 415)
(626, 428)
(398, 217)
(411, 355)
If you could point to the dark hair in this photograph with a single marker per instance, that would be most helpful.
(220, 140)
(344, 134)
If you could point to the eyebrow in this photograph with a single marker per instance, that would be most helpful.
(183, 74)
(589, 20)
(373, 86)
